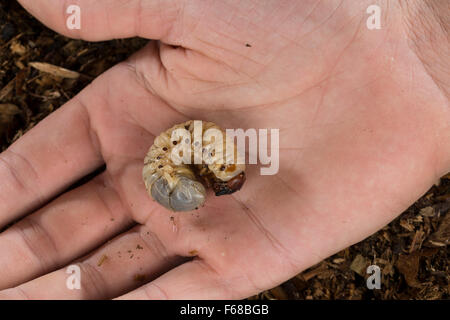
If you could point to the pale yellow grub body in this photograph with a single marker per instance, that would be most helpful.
(175, 185)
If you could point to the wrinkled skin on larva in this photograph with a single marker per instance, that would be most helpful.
(178, 187)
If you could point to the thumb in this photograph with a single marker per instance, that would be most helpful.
(105, 19)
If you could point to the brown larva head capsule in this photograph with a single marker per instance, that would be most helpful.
(175, 186)
(228, 187)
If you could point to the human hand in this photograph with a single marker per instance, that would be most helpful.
(363, 133)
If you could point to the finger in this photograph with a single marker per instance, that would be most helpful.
(65, 229)
(105, 19)
(121, 265)
(74, 140)
(192, 280)
(60, 150)
(125, 137)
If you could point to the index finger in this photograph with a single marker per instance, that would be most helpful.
(61, 149)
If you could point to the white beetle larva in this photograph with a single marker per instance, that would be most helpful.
(176, 184)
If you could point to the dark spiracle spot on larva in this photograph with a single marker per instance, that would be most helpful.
(181, 187)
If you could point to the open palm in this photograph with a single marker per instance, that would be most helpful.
(360, 122)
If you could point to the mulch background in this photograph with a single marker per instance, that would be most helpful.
(411, 251)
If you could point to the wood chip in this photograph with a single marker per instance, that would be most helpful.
(314, 272)
(8, 110)
(278, 293)
(427, 212)
(17, 48)
(338, 260)
(408, 265)
(417, 241)
(55, 70)
(359, 265)
(406, 225)
(8, 113)
(6, 90)
(442, 235)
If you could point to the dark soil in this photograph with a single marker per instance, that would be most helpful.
(411, 251)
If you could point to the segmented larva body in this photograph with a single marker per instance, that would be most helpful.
(181, 186)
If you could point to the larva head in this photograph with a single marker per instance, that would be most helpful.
(187, 195)
(228, 187)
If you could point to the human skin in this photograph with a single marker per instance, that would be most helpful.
(364, 132)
